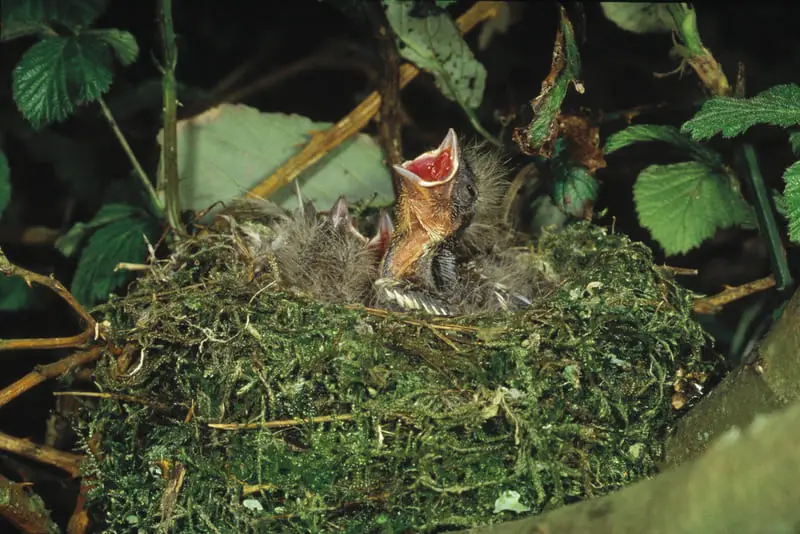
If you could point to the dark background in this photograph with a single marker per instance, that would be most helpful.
(214, 38)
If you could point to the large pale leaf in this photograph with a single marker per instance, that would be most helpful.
(226, 151)
(778, 105)
(432, 42)
(683, 204)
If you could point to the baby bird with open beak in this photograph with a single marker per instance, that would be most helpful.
(435, 202)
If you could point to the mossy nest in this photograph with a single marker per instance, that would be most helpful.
(242, 409)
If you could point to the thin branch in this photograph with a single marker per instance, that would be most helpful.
(280, 424)
(45, 372)
(131, 156)
(323, 142)
(712, 304)
(66, 461)
(9, 269)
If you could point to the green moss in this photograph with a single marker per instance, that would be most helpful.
(429, 421)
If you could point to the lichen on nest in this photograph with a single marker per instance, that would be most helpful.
(359, 420)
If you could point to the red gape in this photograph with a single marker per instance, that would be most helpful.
(432, 168)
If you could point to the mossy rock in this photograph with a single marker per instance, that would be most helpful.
(345, 419)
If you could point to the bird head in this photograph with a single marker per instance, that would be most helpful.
(437, 191)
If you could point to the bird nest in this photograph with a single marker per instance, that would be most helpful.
(242, 407)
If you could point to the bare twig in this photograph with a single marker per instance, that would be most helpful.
(324, 141)
(712, 304)
(67, 461)
(9, 269)
(280, 424)
(36, 377)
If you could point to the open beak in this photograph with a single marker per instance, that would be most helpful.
(432, 168)
(340, 219)
(383, 236)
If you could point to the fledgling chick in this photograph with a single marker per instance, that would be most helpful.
(436, 200)
(329, 259)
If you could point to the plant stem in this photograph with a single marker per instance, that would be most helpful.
(168, 179)
(131, 156)
(766, 218)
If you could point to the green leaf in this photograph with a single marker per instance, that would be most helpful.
(16, 30)
(120, 240)
(69, 243)
(575, 189)
(227, 150)
(794, 141)
(59, 73)
(683, 204)
(667, 134)
(779, 106)
(539, 136)
(121, 42)
(5, 183)
(639, 17)
(73, 14)
(14, 293)
(792, 196)
(434, 44)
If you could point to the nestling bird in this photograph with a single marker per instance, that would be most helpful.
(321, 254)
(446, 256)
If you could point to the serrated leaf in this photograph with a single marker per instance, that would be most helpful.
(16, 30)
(778, 106)
(226, 151)
(792, 196)
(434, 44)
(639, 17)
(683, 204)
(667, 134)
(794, 141)
(70, 13)
(575, 189)
(68, 243)
(59, 73)
(539, 136)
(5, 183)
(121, 42)
(121, 240)
(14, 293)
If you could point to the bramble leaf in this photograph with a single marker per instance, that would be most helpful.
(667, 134)
(539, 136)
(639, 17)
(5, 183)
(794, 141)
(778, 106)
(683, 204)
(69, 243)
(226, 151)
(59, 73)
(121, 42)
(74, 14)
(575, 189)
(434, 44)
(120, 240)
(792, 198)
(14, 293)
